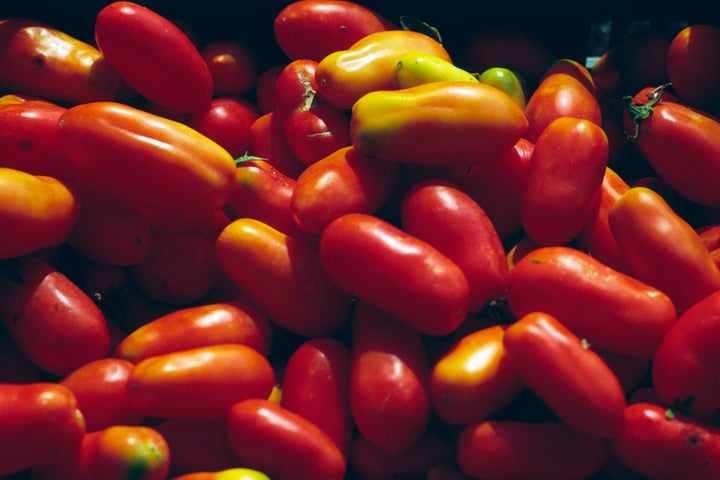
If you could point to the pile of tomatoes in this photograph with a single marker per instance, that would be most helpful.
(374, 260)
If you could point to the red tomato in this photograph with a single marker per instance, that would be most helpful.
(661, 249)
(268, 141)
(692, 66)
(207, 379)
(665, 445)
(315, 385)
(443, 215)
(154, 56)
(265, 88)
(499, 450)
(399, 273)
(609, 309)
(53, 322)
(274, 440)
(100, 387)
(232, 65)
(564, 180)
(227, 121)
(38, 422)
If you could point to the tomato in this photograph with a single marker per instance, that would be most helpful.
(564, 180)
(315, 385)
(553, 362)
(51, 64)
(39, 421)
(474, 378)
(631, 371)
(227, 121)
(443, 215)
(369, 64)
(389, 395)
(508, 81)
(183, 171)
(100, 389)
(313, 29)
(197, 326)
(399, 273)
(40, 211)
(502, 449)
(497, 186)
(345, 181)
(228, 474)
(52, 321)
(280, 443)
(154, 56)
(692, 65)
(265, 88)
(665, 445)
(206, 378)
(417, 67)
(478, 123)
(268, 141)
(117, 452)
(663, 131)
(283, 277)
(233, 67)
(609, 309)
(661, 248)
(566, 90)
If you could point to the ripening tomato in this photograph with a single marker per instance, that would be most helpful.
(416, 67)
(228, 474)
(233, 67)
(154, 56)
(226, 121)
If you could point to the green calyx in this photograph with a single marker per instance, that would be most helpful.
(643, 111)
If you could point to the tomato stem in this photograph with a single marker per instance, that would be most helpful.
(642, 111)
(246, 157)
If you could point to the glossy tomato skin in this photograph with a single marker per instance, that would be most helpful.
(154, 56)
(553, 362)
(51, 64)
(268, 141)
(442, 214)
(661, 248)
(53, 322)
(344, 181)
(313, 29)
(40, 211)
(315, 385)
(283, 277)
(664, 445)
(564, 180)
(233, 66)
(611, 310)
(389, 395)
(497, 449)
(399, 273)
(197, 326)
(226, 121)
(262, 432)
(227, 474)
(100, 389)
(474, 378)
(40, 421)
(684, 365)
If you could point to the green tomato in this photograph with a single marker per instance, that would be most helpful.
(508, 81)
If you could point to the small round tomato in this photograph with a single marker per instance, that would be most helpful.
(227, 121)
(233, 67)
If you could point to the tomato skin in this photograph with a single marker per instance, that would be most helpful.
(233, 67)
(198, 326)
(100, 389)
(661, 248)
(564, 180)
(478, 123)
(261, 432)
(315, 385)
(40, 211)
(268, 141)
(474, 378)
(692, 64)
(443, 215)
(227, 474)
(684, 366)
(283, 277)
(265, 87)
(226, 121)
(53, 65)
(40, 421)
(344, 76)
(667, 447)
(416, 67)
(154, 56)
(206, 378)
(611, 310)
(38, 304)
(345, 181)
(499, 450)
(399, 273)
(182, 169)
(313, 29)
(389, 395)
